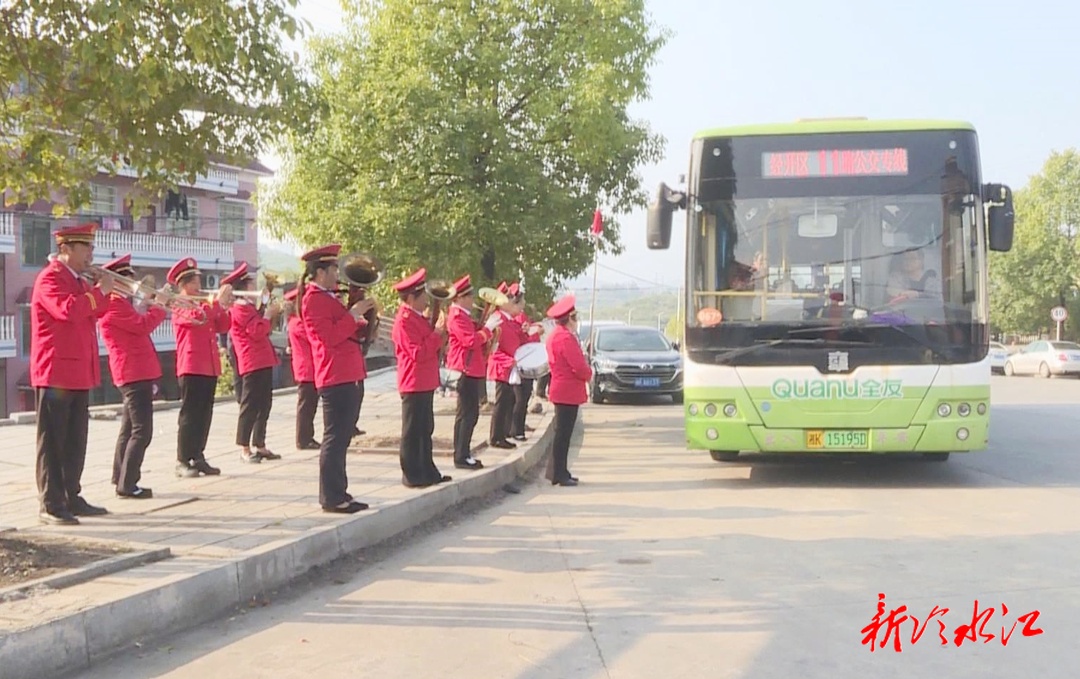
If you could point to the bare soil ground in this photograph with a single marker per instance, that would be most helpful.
(29, 557)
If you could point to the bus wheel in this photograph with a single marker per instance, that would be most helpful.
(935, 457)
(724, 455)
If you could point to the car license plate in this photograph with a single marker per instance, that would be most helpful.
(836, 439)
(646, 381)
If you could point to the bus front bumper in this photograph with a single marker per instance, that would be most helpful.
(944, 436)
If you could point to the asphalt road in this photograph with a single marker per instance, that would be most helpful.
(665, 564)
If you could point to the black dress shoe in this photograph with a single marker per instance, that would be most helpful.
(502, 444)
(444, 479)
(565, 482)
(58, 518)
(267, 454)
(519, 437)
(137, 494)
(203, 467)
(351, 508)
(80, 507)
(409, 484)
(310, 445)
(474, 464)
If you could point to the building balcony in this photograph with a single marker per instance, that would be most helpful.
(7, 233)
(7, 336)
(161, 251)
(217, 179)
(163, 338)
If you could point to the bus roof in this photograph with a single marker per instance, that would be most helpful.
(832, 125)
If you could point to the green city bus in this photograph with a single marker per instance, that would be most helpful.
(836, 287)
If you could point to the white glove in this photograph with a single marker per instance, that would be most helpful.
(493, 322)
(534, 329)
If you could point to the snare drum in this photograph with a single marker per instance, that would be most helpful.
(531, 360)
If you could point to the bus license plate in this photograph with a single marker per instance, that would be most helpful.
(646, 381)
(836, 439)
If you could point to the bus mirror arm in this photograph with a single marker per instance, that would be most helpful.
(660, 211)
(1000, 216)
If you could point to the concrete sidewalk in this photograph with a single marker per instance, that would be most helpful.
(203, 546)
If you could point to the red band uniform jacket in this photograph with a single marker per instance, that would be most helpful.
(466, 352)
(196, 341)
(416, 345)
(570, 371)
(331, 331)
(132, 355)
(511, 337)
(303, 367)
(64, 310)
(250, 334)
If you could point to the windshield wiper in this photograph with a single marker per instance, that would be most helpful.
(938, 354)
(727, 356)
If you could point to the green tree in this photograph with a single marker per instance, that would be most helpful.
(1041, 271)
(473, 136)
(156, 86)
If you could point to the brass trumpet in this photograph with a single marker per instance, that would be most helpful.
(142, 290)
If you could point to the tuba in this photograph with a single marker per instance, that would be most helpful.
(493, 299)
(441, 292)
(361, 271)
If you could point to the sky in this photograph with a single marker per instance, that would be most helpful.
(1011, 70)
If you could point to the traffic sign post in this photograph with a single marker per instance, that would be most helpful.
(1058, 314)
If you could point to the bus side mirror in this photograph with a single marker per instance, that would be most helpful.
(1000, 217)
(658, 232)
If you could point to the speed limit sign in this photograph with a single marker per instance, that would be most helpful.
(1059, 314)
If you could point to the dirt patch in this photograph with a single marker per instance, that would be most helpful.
(26, 558)
(393, 442)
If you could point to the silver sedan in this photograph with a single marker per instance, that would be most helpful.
(1045, 358)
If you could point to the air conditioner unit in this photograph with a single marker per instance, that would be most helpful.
(211, 281)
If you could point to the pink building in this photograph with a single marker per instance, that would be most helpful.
(212, 220)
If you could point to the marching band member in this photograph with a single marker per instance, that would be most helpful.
(530, 332)
(303, 370)
(500, 366)
(466, 355)
(134, 364)
(417, 345)
(63, 369)
(256, 357)
(570, 373)
(198, 365)
(339, 370)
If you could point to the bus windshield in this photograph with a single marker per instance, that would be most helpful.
(795, 240)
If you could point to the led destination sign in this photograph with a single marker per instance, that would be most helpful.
(835, 163)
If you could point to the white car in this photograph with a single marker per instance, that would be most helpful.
(998, 355)
(1045, 358)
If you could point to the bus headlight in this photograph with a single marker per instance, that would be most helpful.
(962, 434)
(710, 410)
(963, 410)
(693, 409)
(712, 434)
(730, 410)
(944, 410)
(981, 408)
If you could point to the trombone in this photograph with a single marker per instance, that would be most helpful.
(143, 290)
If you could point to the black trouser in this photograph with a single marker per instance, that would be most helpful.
(468, 413)
(307, 401)
(237, 379)
(417, 426)
(341, 407)
(565, 418)
(63, 419)
(196, 414)
(522, 393)
(503, 413)
(136, 432)
(258, 396)
(542, 385)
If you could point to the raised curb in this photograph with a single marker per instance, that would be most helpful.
(104, 411)
(89, 572)
(70, 644)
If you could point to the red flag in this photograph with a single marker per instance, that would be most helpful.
(597, 224)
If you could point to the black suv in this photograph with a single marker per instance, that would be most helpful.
(633, 360)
